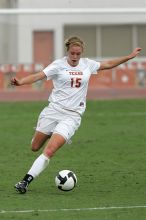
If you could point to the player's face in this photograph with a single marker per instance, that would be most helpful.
(74, 55)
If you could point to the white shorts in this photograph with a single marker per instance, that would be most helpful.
(58, 120)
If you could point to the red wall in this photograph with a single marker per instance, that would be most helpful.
(126, 76)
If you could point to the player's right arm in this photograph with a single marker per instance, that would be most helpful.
(28, 79)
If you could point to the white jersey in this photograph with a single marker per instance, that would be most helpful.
(70, 83)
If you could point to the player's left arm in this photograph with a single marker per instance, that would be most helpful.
(109, 64)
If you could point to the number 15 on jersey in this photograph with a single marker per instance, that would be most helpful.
(76, 82)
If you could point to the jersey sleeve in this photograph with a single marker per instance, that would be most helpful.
(51, 70)
(93, 66)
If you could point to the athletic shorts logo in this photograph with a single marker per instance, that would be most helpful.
(81, 104)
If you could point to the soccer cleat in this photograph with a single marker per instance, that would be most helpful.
(22, 187)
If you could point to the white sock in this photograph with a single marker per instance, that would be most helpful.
(39, 165)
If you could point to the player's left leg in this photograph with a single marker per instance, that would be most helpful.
(63, 131)
(55, 142)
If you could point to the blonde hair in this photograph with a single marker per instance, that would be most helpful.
(74, 41)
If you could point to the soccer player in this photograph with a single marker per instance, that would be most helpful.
(58, 121)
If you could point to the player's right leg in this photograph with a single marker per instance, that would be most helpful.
(39, 140)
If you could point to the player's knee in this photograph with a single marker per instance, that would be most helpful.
(34, 146)
(34, 149)
(49, 152)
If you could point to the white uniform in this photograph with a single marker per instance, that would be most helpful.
(68, 96)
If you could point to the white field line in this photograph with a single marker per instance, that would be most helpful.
(74, 209)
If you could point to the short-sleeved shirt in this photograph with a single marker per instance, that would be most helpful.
(70, 83)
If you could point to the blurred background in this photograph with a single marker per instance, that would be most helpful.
(32, 34)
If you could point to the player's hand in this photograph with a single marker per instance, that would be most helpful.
(15, 82)
(135, 52)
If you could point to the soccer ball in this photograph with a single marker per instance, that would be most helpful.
(66, 180)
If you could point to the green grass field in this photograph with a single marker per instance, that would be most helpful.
(108, 155)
